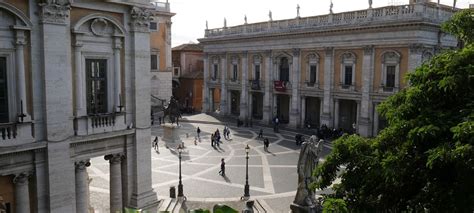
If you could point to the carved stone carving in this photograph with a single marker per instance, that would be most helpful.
(416, 48)
(114, 158)
(257, 59)
(268, 53)
(54, 11)
(140, 19)
(21, 178)
(368, 50)
(99, 26)
(328, 51)
(234, 59)
(81, 165)
(312, 57)
(391, 57)
(296, 52)
(348, 56)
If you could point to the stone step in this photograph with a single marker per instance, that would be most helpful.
(166, 204)
(177, 205)
(258, 208)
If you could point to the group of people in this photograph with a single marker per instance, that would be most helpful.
(216, 138)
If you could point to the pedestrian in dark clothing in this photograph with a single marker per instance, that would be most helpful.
(260, 134)
(266, 143)
(222, 171)
(198, 132)
(155, 143)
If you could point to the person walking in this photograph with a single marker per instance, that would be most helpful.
(222, 171)
(260, 134)
(212, 140)
(266, 143)
(198, 132)
(228, 134)
(155, 144)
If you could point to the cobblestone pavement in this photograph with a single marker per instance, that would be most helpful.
(272, 175)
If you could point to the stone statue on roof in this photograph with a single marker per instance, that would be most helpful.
(245, 19)
(270, 15)
(297, 10)
(330, 7)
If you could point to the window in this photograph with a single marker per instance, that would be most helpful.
(312, 74)
(234, 72)
(390, 81)
(390, 72)
(257, 72)
(153, 26)
(3, 91)
(215, 72)
(154, 62)
(347, 75)
(284, 70)
(96, 71)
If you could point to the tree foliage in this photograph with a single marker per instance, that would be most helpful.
(424, 159)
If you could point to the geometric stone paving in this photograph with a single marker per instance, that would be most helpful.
(272, 175)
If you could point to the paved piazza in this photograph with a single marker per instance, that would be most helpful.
(272, 175)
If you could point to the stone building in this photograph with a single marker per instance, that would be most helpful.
(188, 75)
(330, 69)
(75, 84)
(160, 43)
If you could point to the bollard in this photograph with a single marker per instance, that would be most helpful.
(172, 192)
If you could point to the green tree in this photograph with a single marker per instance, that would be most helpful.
(424, 159)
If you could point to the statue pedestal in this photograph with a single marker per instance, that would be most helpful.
(171, 135)
(295, 208)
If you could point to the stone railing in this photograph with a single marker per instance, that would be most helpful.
(401, 13)
(12, 134)
(162, 6)
(100, 123)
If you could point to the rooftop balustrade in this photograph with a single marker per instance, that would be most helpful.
(401, 13)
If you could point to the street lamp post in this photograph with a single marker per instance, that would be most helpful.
(180, 185)
(247, 187)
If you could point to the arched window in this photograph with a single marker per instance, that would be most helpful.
(390, 71)
(284, 69)
(347, 73)
(312, 74)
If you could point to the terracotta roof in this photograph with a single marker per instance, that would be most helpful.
(188, 47)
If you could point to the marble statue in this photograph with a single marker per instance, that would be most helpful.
(245, 19)
(330, 7)
(270, 15)
(305, 200)
(297, 10)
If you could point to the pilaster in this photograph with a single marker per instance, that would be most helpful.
(142, 193)
(244, 92)
(267, 109)
(205, 92)
(363, 120)
(115, 182)
(295, 82)
(326, 117)
(223, 101)
(415, 56)
(22, 102)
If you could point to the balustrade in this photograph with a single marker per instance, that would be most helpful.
(8, 131)
(402, 12)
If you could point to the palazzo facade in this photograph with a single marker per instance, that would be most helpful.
(331, 69)
(74, 85)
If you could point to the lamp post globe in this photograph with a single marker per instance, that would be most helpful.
(247, 187)
(180, 185)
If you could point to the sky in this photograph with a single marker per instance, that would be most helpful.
(189, 22)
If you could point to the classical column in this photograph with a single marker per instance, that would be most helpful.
(336, 113)
(117, 75)
(358, 116)
(295, 83)
(115, 182)
(80, 110)
(244, 94)
(303, 110)
(82, 185)
(267, 116)
(20, 66)
(415, 56)
(223, 104)
(22, 194)
(363, 120)
(205, 93)
(328, 85)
